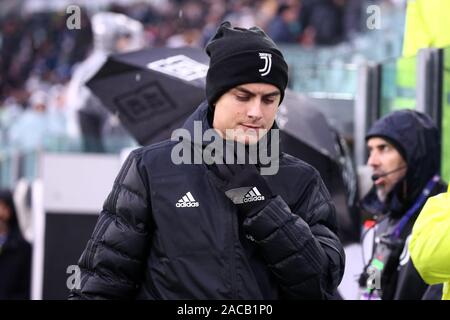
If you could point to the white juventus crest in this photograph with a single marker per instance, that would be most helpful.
(267, 57)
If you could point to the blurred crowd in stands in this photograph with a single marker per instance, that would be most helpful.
(39, 53)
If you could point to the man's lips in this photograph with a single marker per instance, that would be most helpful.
(251, 126)
(379, 181)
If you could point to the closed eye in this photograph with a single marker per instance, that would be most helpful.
(242, 98)
(268, 101)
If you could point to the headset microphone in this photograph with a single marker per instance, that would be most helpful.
(375, 177)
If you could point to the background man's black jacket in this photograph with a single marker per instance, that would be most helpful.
(15, 267)
(145, 247)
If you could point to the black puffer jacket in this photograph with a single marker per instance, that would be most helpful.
(15, 257)
(416, 137)
(146, 247)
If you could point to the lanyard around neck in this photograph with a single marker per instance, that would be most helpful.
(417, 205)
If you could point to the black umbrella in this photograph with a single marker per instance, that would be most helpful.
(152, 90)
(298, 118)
(306, 134)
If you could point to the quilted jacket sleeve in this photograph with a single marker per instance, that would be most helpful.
(301, 246)
(112, 263)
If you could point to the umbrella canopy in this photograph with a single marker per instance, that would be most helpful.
(152, 91)
(306, 134)
(298, 118)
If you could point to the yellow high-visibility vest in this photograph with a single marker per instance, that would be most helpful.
(429, 246)
(427, 25)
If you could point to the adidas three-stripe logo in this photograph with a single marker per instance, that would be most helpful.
(244, 195)
(253, 195)
(187, 201)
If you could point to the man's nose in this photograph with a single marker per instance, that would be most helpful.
(373, 160)
(254, 110)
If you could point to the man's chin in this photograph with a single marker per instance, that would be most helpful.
(246, 139)
(381, 194)
(249, 136)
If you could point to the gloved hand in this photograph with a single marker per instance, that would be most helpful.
(242, 184)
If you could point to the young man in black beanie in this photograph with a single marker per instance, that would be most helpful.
(218, 229)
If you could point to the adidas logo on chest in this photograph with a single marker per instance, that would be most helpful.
(187, 201)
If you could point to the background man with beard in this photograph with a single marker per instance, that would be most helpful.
(404, 153)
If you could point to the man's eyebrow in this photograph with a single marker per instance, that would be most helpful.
(378, 146)
(270, 94)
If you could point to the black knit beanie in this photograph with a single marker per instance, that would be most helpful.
(239, 56)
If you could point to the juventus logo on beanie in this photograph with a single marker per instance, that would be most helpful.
(239, 56)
